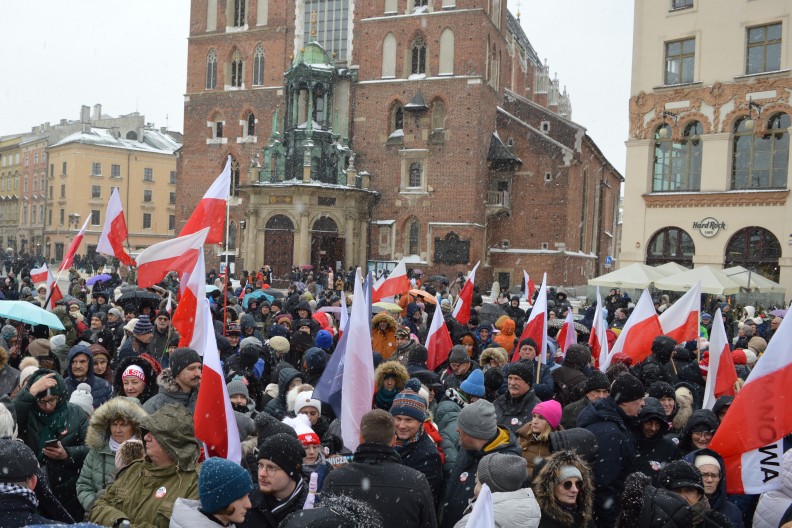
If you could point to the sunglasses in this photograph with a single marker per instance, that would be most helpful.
(576, 483)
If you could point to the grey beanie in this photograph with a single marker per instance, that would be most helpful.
(458, 354)
(503, 472)
(237, 386)
(478, 420)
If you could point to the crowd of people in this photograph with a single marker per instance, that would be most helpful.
(96, 423)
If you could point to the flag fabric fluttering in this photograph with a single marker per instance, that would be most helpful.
(536, 326)
(396, 283)
(751, 436)
(681, 320)
(598, 338)
(530, 287)
(211, 210)
(214, 419)
(438, 341)
(464, 303)
(635, 339)
(44, 275)
(721, 374)
(114, 231)
(187, 312)
(483, 513)
(179, 254)
(73, 247)
(567, 336)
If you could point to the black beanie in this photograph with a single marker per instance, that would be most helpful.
(181, 358)
(661, 389)
(680, 474)
(493, 379)
(285, 451)
(523, 369)
(627, 388)
(598, 380)
(662, 347)
(18, 461)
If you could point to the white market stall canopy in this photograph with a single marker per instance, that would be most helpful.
(671, 268)
(634, 276)
(713, 281)
(752, 281)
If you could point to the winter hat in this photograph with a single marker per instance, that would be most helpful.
(8, 332)
(221, 482)
(750, 357)
(134, 371)
(250, 341)
(324, 339)
(267, 425)
(409, 403)
(528, 341)
(163, 313)
(302, 426)
(401, 333)
(550, 410)
(704, 460)
(82, 398)
(18, 461)
(597, 381)
(116, 312)
(568, 472)
(522, 369)
(233, 329)
(279, 344)
(306, 399)
(680, 474)
(627, 388)
(237, 386)
(143, 326)
(474, 384)
(39, 347)
(285, 451)
(25, 373)
(181, 358)
(130, 326)
(577, 357)
(502, 472)
(8, 427)
(739, 357)
(315, 359)
(97, 349)
(458, 354)
(101, 316)
(493, 379)
(661, 389)
(478, 420)
(706, 317)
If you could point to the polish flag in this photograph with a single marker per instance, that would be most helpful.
(187, 311)
(211, 210)
(530, 287)
(343, 319)
(598, 338)
(750, 437)
(179, 254)
(438, 341)
(465, 301)
(567, 336)
(721, 375)
(214, 420)
(114, 231)
(536, 326)
(44, 275)
(639, 331)
(75, 245)
(681, 320)
(395, 284)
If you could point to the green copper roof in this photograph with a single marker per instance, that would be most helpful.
(312, 54)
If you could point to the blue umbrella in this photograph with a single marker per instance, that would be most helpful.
(29, 313)
(258, 294)
(97, 278)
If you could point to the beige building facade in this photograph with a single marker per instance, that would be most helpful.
(708, 168)
(10, 169)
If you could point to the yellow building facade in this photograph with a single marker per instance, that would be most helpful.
(10, 169)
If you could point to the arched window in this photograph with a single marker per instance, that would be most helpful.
(211, 70)
(280, 223)
(258, 66)
(418, 50)
(131, 135)
(438, 115)
(232, 236)
(389, 56)
(760, 162)
(325, 224)
(446, 66)
(397, 118)
(251, 124)
(236, 69)
(754, 248)
(415, 241)
(671, 244)
(416, 175)
(677, 164)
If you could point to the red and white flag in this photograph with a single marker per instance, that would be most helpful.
(44, 275)
(214, 420)
(211, 210)
(193, 290)
(343, 318)
(721, 374)
(530, 287)
(75, 245)
(536, 326)
(465, 301)
(635, 339)
(598, 338)
(396, 283)
(357, 384)
(681, 320)
(438, 341)
(567, 336)
(114, 231)
(179, 254)
(750, 437)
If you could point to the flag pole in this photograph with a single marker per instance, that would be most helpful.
(538, 370)
(227, 280)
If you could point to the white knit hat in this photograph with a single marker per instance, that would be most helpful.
(302, 426)
(306, 399)
(82, 398)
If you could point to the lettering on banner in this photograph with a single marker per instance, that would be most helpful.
(770, 460)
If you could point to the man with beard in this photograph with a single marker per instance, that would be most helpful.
(162, 335)
(98, 334)
(138, 343)
(178, 383)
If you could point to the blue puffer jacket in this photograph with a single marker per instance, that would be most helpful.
(101, 390)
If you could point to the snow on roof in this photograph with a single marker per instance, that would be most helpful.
(154, 141)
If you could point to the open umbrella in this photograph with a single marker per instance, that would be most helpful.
(489, 313)
(391, 307)
(211, 288)
(69, 298)
(258, 294)
(102, 277)
(138, 295)
(29, 313)
(778, 313)
(439, 278)
(428, 297)
(300, 286)
(558, 323)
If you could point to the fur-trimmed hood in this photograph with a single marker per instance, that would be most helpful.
(120, 407)
(393, 368)
(3, 358)
(497, 353)
(383, 316)
(546, 480)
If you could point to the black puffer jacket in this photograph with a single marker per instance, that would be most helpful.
(422, 455)
(513, 413)
(718, 500)
(656, 451)
(646, 506)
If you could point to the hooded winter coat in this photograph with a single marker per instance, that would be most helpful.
(512, 509)
(701, 417)
(383, 398)
(655, 452)
(100, 388)
(18, 511)
(422, 455)
(383, 341)
(99, 468)
(445, 417)
(145, 493)
(505, 339)
(9, 376)
(277, 407)
(170, 392)
(554, 514)
(718, 501)
(773, 504)
(646, 506)
(151, 387)
(335, 511)
(569, 381)
(187, 514)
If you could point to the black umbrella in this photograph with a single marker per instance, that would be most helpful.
(439, 278)
(489, 313)
(139, 298)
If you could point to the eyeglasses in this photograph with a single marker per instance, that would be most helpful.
(703, 434)
(569, 483)
(51, 402)
(710, 476)
(270, 470)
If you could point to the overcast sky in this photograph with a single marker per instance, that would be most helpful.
(132, 56)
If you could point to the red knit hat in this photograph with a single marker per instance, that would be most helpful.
(739, 357)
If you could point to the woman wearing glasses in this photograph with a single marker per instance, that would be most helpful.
(55, 430)
(563, 489)
(698, 431)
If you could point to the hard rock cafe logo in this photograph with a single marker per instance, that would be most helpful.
(709, 227)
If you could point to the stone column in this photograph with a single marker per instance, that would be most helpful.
(302, 248)
(350, 256)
